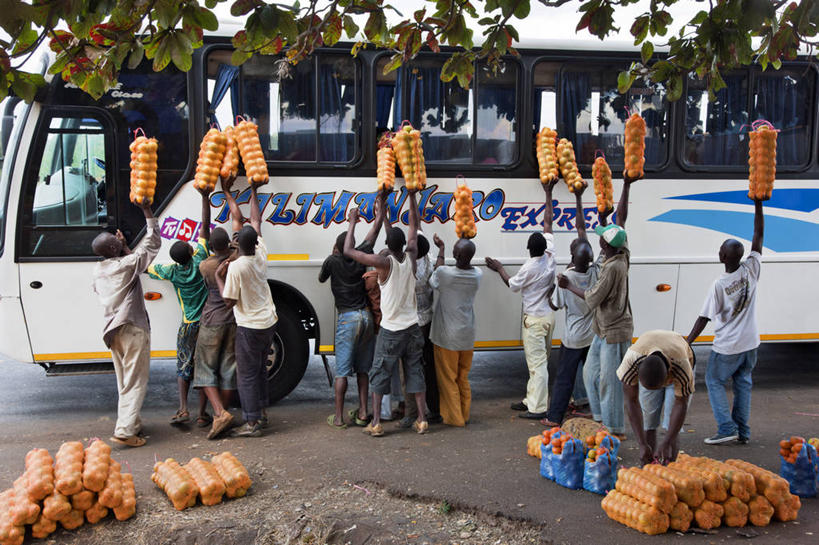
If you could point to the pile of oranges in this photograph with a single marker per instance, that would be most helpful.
(790, 448)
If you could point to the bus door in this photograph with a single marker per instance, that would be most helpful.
(653, 294)
(68, 197)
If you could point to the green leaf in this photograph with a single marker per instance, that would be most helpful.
(25, 84)
(288, 27)
(350, 28)
(211, 3)
(94, 86)
(243, 7)
(239, 57)
(674, 88)
(699, 18)
(625, 79)
(376, 27)
(522, 10)
(639, 29)
(776, 63)
(647, 51)
(162, 55)
(136, 55)
(25, 40)
(395, 62)
(207, 19)
(332, 29)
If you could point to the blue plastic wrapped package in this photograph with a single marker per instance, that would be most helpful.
(568, 465)
(546, 454)
(600, 475)
(802, 475)
(612, 443)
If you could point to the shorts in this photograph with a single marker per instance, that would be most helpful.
(652, 403)
(185, 348)
(355, 342)
(215, 357)
(407, 346)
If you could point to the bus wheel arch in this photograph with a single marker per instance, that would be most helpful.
(290, 352)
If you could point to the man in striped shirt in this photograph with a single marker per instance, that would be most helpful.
(657, 361)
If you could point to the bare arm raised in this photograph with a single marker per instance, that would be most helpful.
(759, 228)
(370, 260)
(236, 216)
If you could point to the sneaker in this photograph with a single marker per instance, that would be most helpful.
(743, 440)
(374, 431)
(720, 438)
(406, 422)
(519, 406)
(247, 430)
(420, 427)
(220, 424)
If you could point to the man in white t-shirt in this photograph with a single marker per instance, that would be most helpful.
(731, 304)
(244, 288)
(533, 281)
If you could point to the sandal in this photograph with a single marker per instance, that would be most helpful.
(353, 414)
(204, 420)
(331, 421)
(132, 441)
(181, 418)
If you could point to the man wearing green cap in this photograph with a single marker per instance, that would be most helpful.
(612, 323)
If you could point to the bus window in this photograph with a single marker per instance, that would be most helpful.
(545, 99)
(476, 126)
(305, 113)
(716, 132)
(65, 198)
(592, 115)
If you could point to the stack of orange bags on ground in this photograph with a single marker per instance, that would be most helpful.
(82, 485)
(700, 491)
(223, 475)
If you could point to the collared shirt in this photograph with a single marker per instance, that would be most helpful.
(246, 282)
(116, 282)
(731, 305)
(187, 281)
(610, 300)
(534, 279)
(675, 349)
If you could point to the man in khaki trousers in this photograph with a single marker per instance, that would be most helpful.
(533, 281)
(127, 331)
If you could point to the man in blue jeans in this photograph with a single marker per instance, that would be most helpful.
(731, 304)
(355, 330)
(612, 323)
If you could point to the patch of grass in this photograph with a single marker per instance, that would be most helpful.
(444, 508)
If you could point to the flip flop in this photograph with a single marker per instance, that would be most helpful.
(132, 441)
(204, 421)
(353, 414)
(181, 418)
(331, 422)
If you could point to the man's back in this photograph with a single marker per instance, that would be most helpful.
(533, 281)
(453, 322)
(610, 299)
(246, 282)
(731, 304)
(215, 311)
(579, 316)
(346, 279)
(187, 281)
(398, 305)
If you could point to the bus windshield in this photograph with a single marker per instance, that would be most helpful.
(11, 110)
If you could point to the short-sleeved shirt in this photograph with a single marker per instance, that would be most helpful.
(246, 283)
(453, 322)
(187, 281)
(534, 279)
(423, 291)
(579, 332)
(609, 298)
(675, 349)
(215, 312)
(731, 305)
(346, 279)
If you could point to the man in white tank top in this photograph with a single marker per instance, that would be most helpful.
(399, 337)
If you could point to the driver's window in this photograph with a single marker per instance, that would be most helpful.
(70, 187)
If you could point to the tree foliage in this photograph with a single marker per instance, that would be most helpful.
(94, 39)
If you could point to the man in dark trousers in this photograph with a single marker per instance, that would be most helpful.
(731, 305)
(613, 324)
(400, 337)
(355, 330)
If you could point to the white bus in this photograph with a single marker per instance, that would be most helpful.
(65, 179)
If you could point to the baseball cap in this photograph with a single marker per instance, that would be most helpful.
(613, 234)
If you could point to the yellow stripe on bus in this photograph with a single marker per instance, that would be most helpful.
(95, 355)
(288, 257)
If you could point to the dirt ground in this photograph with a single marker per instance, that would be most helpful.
(316, 485)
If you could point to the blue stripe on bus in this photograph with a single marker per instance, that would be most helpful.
(800, 200)
(781, 234)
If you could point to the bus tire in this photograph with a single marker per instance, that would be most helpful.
(289, 356)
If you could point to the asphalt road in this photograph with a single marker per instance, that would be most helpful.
(480, 467)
